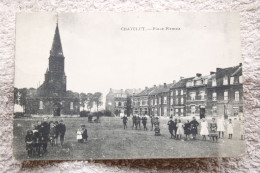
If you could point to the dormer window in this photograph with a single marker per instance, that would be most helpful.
(225, 80)
(231, 80)
(41, 105)
(214, 82)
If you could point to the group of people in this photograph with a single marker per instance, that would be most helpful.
(38, 137)
(180, 130)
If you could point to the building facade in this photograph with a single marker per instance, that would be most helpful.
(225, 92)
(52, 97)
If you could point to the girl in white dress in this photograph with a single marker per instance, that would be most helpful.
(204, 129)
(230, 129)
(220, 127)
(180, 129)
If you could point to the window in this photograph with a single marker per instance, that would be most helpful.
(41, 105)
(225, 80)
(231, 80)
(172, 93)
(181, 110)
(176, 110)
(214, 109)
(193, 109)
(202, 95)
(177, 101)
(182, 101)
(198, 82)
(119, 103)
(151, 102)
(160, 100)
(176, 92)
(155, 101)
(240, 79)
(237, 96)
(192, 96)
(181, 92)
(71, 105)
(214, 82)
(165, 111)
(165, 100)
(226, 96)
(171, 101)
(214, 96)
(206, 81)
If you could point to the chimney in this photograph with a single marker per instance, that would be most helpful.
(154, 86)
(181, 78)
(146, 88)
(212, 72)
(174, 81)
(240, 64)
(164, 85)
(218, 69)
(198, 75)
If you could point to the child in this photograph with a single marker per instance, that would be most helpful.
(204, 129)
(221, 128)
(29, 143)
(187, 129)
(157, 130)
(230, 129)
(84, 133)
(52, 134)
(180, 130)
(213, 130)
(125, 121)
(79, 135)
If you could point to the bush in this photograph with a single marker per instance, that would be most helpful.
(19, 114)
(108, 113)
(84, 113)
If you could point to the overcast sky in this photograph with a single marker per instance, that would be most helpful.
(99, 55)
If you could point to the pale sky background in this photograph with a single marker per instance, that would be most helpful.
(100, 56)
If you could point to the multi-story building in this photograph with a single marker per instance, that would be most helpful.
(225, 92)
(178, 96)
(159, 100)
(197, 95)
(140, 102)
(116, 99)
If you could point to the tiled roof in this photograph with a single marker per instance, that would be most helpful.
(230, 71)
(181, 83)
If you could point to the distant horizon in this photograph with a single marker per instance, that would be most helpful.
(100, 55)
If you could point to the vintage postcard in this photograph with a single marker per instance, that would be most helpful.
(128, 86)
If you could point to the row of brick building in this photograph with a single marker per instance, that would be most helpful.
(215, 94)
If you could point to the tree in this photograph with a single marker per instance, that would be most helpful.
(97, 99)
(117, 112)
(89, 101)
(22, 99)
(128, 106)
(83, 100)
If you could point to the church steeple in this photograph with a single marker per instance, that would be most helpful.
(56, 49)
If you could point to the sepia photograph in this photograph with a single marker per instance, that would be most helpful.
(128, 86)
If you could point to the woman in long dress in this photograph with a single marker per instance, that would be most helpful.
(230, 129)
(180, 130)
(220, 126)
(204, 129)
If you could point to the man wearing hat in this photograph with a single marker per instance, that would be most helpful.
(171, 127)
(62, 130)
(45, 129)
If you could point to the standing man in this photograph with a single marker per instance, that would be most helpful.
(171, 127)
(62, 130)
(125, 121)
(45, 129)
(152, 121)
(138, 121)
(134, 121)
(144, 121)
(194, 127)
(175, 128)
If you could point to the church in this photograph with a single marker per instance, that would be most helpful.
(52, 97)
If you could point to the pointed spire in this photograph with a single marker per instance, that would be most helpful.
(56, 49)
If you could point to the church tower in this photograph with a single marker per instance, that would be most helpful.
(55, 78)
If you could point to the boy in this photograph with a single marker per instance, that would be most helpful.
(157, 130)
(29, 143)
(125, 121)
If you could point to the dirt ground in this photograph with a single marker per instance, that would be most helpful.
(108, 140)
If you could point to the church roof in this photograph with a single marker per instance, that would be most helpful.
(56, 49)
